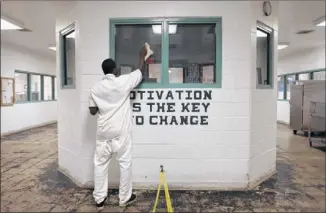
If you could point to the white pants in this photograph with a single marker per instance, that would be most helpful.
(104, 152)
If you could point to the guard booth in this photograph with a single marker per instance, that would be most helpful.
(203, 110)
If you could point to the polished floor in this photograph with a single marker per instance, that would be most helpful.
(30, 181)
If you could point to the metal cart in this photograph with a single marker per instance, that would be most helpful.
(317, 123)
(301, 95)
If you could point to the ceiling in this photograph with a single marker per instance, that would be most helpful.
(39, 17)
(295, 16)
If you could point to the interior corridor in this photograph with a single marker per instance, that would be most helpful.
(30, 181)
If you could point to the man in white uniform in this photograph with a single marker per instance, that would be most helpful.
(110, 99)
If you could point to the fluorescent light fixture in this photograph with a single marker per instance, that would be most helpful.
(321, 24)
(53, 48)
(157, 29)
(260, 34)
(172, 29)
(71, 35)
(282, 45)
(9, 25)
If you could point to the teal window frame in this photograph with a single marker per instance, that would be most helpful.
(62, 54)
(41, 90)
(164, 22)
(52, 86)
(310, 72)
(28, 86)
(270, 55)
(29, 91)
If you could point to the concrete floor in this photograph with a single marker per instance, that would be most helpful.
(30, 182)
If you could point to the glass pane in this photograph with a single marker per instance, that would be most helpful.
(280, 82)
(262, 59)
(35, 87)
(192, 53)
(290, 79)
(55, 88)
(69, 43)
(303, 76)
(47, 88)
(129, 39)
(319, 75)
(21, 87)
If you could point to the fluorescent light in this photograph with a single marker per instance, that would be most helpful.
(282, 46)
(260, 34)
(53, 48)
(172, 29)
(157, 29)
(7, 25)
(321, 24)
(71, 35)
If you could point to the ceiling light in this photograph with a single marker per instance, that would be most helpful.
(71, 35)
(157, 29)
(9, 25)
(172, 29)
(282, 45)
(261, 34)
(53, 48)
(321, 24)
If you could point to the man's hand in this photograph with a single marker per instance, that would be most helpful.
(93, 110)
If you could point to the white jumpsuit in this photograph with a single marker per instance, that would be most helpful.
(112, 97)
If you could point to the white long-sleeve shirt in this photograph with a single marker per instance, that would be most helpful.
(112, 97)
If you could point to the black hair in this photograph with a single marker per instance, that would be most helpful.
(108, 66)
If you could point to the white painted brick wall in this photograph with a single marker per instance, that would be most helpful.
(263, 104)
(214, 156)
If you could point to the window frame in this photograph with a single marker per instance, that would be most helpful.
(28, 86)
(29, 90)
(165, 47)
(52, 86)
(270, 55)
(296, 74)
(63, 62)
(41, 87)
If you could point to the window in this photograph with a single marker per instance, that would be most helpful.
(284, 94)
(35, 87)
(290, 79)
(281, 87)
(47, 88)
(187, 51)
(264, 55)
(55, 88)
(192, 54)
(128, 41)
(321, 75)
(67, 51)
(21, 87)
(31, 87)
(304, 76)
